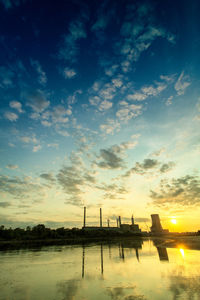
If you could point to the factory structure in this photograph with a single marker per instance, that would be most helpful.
(155, 229)
(125, 228)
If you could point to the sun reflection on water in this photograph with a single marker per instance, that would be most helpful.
(182, 252)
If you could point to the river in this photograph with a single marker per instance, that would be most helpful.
(121, 271)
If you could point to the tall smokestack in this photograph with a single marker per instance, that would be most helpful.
(108, 223)
(100, 218)
(84, 219)
(132, 220)
(119, 221)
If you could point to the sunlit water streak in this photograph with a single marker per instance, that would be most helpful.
(127, 271)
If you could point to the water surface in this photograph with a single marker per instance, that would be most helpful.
(121, 271)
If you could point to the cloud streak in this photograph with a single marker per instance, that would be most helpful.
(181, 84)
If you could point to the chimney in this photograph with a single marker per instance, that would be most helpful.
(132, 220)
(100, 218)
(119, 221)
(108, 223)
(84, 219)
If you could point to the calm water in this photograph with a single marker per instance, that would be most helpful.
(128, 271)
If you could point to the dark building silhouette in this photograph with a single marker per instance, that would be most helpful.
(156, 227)
(121, 228)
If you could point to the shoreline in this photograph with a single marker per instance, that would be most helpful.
(187, 242)
(26, 244)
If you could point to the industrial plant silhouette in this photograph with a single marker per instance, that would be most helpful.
(120, 227)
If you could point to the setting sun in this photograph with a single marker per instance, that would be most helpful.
(173, 221)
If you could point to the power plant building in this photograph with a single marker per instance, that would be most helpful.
(121, 228)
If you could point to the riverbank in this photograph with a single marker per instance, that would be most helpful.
(20, 244)
(187, 242)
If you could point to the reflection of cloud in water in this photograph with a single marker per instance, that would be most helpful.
(120, 293)
(70, 291)
(184, 286)
(68, 288)
(21, 292)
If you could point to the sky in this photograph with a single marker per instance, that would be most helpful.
(100, 107)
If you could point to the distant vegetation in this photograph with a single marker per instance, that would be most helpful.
(40, 232)
(39, 236)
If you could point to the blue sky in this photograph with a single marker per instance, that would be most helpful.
(100, 106)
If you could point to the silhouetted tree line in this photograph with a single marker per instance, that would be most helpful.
(41, 232)
(38, 232)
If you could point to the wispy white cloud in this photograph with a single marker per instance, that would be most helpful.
(147, 91)
(107, 92)
(62, 132)
(169, 101)
(75, 179)
(6, 77)
(46, 123)
(58, 115)
(182, 83)
(54, 145)
(129, 111)
(137, 96)
(37, 148)
(167, 78)
(105, 105)
(29, 139)
(138, 35)
(100, 24)
(110, 126)
(16, 105)
(37, 100)
(11, 145)
(94, 100)
(117, 82)
(110, 71)
(12, 167)
(73, 98)
(101, 94)
(158, 152)
(70, 47)
(69, 73)
(22, 188)
(42, 78)
(11, 116)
